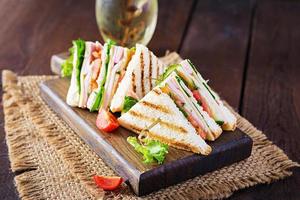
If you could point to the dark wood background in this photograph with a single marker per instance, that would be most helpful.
(248, 49)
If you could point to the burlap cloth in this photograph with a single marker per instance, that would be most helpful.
(54, 163)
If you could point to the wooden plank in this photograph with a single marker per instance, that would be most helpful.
(35, 30)
(172, 19)
(216, 42)
(272, 98)
(121, 157)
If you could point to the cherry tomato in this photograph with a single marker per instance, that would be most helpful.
(106, 121)
(108, 182)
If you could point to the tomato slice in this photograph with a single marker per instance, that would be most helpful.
(198, 97)
(106, 121)
(108, 182)
(196, 94)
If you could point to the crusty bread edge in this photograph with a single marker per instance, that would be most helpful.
(229, 126)
(186, 147)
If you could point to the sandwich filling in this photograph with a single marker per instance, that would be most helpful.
(142, 71)
(204, 95)
(95, 97)
(90, 69)
(205, 126)
(209, 100)
(78, 50)
(120, 58)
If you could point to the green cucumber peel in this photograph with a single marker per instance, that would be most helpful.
(97, 103)
(166, 73)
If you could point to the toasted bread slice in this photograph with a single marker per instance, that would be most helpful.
(142, 71)
(208, 97)
(173, 129)
(214, 130)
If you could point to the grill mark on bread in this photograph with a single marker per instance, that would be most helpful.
(171, 126)
(142, 72)
(156, 107)
(135, 128)
(133, 82)
(179, 145)
(156, 92)
(150, 70)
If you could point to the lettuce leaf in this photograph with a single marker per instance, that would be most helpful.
(67, 66)
(152, 150)
(80, 46)
(128, 103)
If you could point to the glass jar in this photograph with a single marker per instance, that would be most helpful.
(127, 22)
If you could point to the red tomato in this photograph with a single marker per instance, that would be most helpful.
(205, 107)
(106, 121)
(108, 182)
(196, 94)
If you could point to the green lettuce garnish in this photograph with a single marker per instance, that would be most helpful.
(67, 66)
(152, 150)
(80, 44)
(128, 103)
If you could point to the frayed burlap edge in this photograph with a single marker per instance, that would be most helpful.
(16, 138)
(22, 160)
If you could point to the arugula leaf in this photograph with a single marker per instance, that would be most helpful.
(128, 103)
(152, 150)
(67, 66)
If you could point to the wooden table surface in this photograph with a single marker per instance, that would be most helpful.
(248, 49)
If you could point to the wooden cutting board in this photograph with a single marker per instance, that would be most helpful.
(113, 148)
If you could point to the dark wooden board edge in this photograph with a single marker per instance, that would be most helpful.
(142, 183)
(163, 176)
(101, 147)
